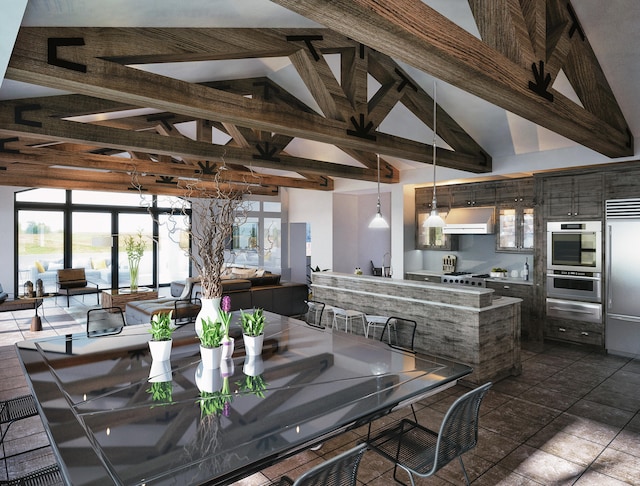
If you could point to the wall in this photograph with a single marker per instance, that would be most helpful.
(476, 254)
(7, 222)
(316, 209)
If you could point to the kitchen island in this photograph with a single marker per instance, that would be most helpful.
(468, 325)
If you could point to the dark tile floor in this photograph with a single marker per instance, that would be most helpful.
(571, 417)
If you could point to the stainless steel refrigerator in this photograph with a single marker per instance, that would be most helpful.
(622, 264)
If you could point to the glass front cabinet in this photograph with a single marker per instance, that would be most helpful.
(514, 215)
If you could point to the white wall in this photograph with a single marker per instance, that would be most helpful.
(315, 208)
(8, 224)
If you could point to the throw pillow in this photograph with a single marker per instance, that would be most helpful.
(99, 264)
(56, 266)
(39, 267)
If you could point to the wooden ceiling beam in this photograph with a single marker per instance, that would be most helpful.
(34, 175)
(411, 31)
(105, 163)
(34, 121)
(80, 71)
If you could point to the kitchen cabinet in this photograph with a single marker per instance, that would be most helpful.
(514, 228)
(515, 216)
(528, 318)
(577, 332)
(422, 277)
(476, 194)
(577, 196)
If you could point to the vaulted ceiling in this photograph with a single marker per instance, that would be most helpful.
(136, 107)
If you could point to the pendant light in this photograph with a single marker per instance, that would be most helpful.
(434, 220)
(378, 222)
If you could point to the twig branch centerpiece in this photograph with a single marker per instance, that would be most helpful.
(211, 230)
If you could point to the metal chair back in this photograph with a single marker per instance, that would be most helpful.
(459, 429)
(400, 333)
(340, 470)
(105, 322)
(313, 315)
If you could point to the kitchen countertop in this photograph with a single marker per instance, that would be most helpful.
(509, 280)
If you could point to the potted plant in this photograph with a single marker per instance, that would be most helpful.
(134, 246)
(252, 331)
(252, 385)
(216, 402)
(210, 343)
(161, 391)
(161, 332)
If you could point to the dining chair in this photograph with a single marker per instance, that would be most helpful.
(340, 470)
(105, 321)
(313, 314)
(404, 331)
(11, 411)
(16, 409)
(48, 476)
(421, 451)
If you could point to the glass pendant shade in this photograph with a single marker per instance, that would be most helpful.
(378, 221)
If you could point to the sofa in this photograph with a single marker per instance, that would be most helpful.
(265, 292)
(97, 270)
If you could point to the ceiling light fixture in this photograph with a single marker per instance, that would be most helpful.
(434, 220)
(378, 221)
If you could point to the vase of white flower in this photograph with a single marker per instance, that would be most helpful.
(225, 318)
(135, 247)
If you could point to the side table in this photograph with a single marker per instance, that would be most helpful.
(120, 297)
(36, 321)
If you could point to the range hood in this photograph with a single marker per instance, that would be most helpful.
(469, 221)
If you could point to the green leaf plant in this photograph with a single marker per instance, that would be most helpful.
(252, 323)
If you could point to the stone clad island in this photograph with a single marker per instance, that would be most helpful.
(467, 325)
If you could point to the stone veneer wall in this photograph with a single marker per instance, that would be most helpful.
(458, 323)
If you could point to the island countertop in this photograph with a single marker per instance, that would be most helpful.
(468, 324)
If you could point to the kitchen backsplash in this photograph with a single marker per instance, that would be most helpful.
(476, 254)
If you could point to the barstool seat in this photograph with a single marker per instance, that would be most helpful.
(348, 316)
(374, 322)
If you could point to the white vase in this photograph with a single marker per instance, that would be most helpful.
(226, 368)
(210, 357)
(227, 347)
(208, 380)
(160, 371)
(160, 350)
(253, 344)
(210, 309)
(253, 366)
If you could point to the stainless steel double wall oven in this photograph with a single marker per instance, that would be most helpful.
(574, 270)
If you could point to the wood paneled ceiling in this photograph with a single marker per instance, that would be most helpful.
(124, 122)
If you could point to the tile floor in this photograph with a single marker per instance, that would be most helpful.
(571, 417)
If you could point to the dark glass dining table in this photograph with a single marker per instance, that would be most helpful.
(114, 416)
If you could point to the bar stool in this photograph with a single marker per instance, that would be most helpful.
(375, 322)
(348, 316)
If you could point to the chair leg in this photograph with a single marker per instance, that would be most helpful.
(464, 471)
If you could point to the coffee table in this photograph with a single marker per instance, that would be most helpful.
(120, 297)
